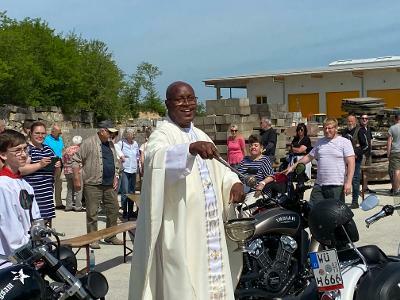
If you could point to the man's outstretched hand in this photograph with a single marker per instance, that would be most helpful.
(237, 194)
(206, 150)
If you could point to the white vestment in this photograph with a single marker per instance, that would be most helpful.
(170, 258)
(14, 220)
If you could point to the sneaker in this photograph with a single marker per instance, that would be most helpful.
(354, 206)
(94, 245)
(60, 206)
(114, 241)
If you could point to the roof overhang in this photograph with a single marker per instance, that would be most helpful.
(241, 81)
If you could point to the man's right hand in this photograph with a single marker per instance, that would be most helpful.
(289, 169)
(206, 150)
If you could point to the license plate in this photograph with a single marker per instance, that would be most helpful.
(325, 266)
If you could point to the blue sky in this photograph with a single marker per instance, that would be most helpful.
(198, 40)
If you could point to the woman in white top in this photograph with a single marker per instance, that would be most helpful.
(130, 165)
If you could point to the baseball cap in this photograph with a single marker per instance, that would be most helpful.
(107, 124)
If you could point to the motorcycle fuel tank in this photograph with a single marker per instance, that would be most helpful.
(277, 220)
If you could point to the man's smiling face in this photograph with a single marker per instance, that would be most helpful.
(181, 103)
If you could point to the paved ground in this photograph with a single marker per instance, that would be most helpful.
(109, 259)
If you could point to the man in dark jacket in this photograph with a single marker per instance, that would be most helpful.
(268, 138)
(358, 138)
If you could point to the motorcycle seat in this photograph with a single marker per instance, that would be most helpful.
(372, 253)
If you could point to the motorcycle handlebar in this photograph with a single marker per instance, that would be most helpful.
(387, 210)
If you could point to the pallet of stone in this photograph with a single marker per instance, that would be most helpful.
(364, 105)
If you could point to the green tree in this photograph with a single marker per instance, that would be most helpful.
(40, 68)
(139, 92)
(201, 109)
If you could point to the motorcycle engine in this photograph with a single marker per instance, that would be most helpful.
(273, 273)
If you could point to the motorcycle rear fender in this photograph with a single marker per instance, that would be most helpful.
(351, 276)
(381, 282)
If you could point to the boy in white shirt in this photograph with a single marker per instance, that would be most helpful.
(16, 196)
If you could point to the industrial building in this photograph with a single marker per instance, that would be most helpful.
(320, 90)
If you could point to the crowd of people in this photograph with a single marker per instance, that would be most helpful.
(186, 194)
(93, 172)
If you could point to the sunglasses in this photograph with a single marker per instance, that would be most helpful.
(364, 118)
(233, 130)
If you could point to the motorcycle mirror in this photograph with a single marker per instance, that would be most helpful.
(369, 202)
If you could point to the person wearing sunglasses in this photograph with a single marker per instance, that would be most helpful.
(235, 147)
(18, 206)
(357, 136)
(301, 146)
(367, 155)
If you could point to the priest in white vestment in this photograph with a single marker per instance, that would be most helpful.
(180, 249)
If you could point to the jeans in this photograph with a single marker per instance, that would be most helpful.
(321, 193)
(128, 181)
(355, 185)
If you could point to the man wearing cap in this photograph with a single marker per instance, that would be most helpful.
(393, 152)
(100, 169)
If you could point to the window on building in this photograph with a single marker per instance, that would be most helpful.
(261, 99)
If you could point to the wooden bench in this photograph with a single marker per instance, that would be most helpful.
(84, 241)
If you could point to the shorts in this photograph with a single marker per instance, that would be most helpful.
(394, 161)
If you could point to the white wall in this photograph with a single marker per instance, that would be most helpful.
(330, 82)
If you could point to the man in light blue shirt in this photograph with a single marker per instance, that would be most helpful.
(55, 142)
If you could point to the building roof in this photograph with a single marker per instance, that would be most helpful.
(349, 65)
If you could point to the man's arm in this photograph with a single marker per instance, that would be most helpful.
(350, 163)
(304, 160)
(389, 145)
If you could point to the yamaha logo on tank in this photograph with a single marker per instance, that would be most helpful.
(286, 219)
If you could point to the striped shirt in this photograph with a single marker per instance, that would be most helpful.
(330, 155)
(260, 168)
(42, 181)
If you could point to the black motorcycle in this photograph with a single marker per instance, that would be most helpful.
(45, 270)
(275, 244)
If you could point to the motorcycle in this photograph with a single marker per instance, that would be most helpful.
(342, 270)
(275, 243)
(41, 258)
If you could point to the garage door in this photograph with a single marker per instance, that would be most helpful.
(392, 97)
(334, 102)
(308, 104)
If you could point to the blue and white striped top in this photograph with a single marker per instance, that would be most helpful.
(42, 181)
(260, 168)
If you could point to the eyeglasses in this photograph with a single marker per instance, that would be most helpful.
(181, 100)
(233, 130)
(39, 133)
(300, 129)
(20, 151)
(364, 118)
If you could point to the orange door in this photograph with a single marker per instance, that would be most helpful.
(391, 97)
(308, 104)
(334, 102)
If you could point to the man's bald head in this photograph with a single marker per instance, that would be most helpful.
(173, 87)
(55, 131)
